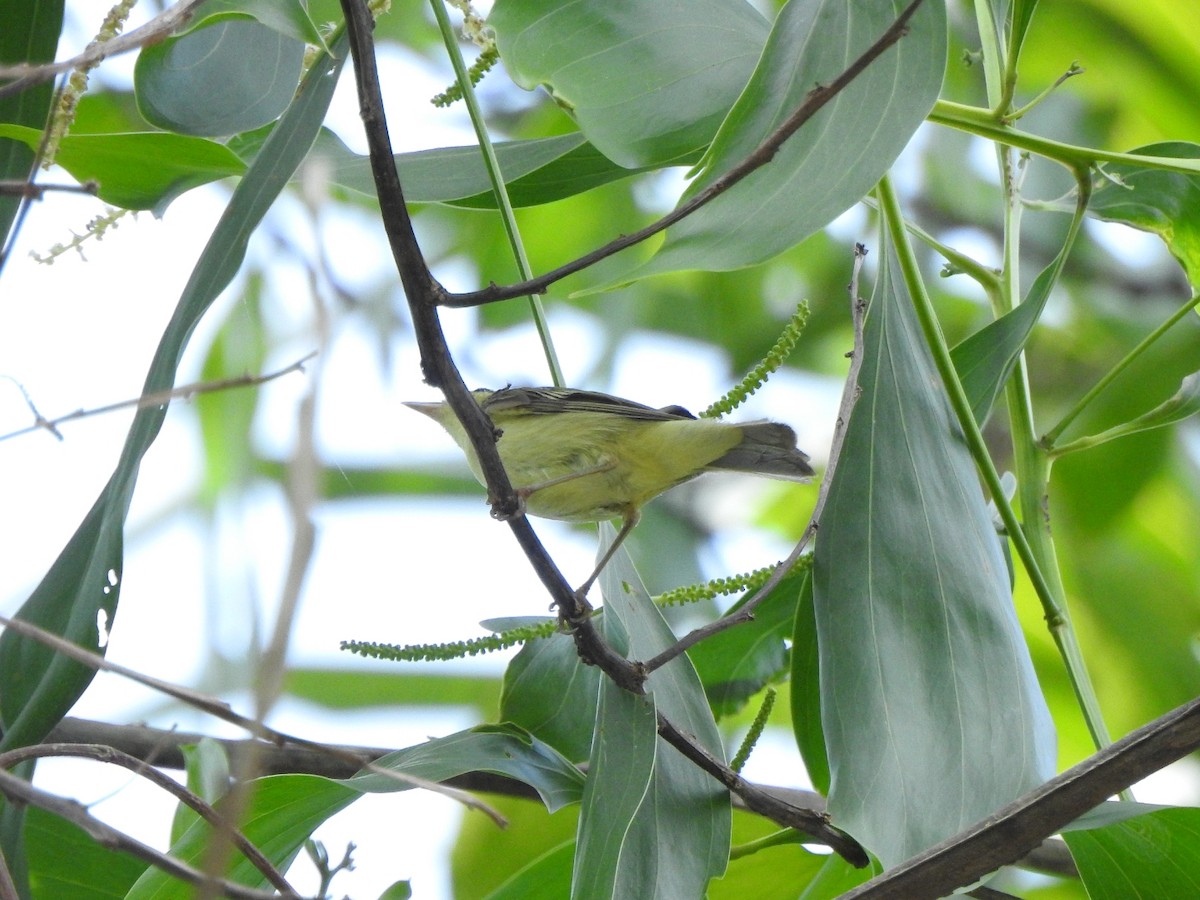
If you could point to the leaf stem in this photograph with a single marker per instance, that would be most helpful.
(503, 202)
(985, 123)
(1049, 441)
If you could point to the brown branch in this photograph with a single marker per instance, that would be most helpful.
(19, 790)
(225, 712)
(806, 821)
(205, 810)
(1008, 834)
(162, 748)
(165, 23)
(817, 98)
(33, 191)
(158, 398)
(424, 295)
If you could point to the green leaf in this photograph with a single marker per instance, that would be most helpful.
(806, 692)
(648, 83)
(781, 872)
(208, 777)
(835, 158)
(285, 809)
(29, 34)
(836, 878)
(536, 171)
(138, 171)
(1153, 200)
(932, 714)
(356, 688)
(547, 691)
(1022, 18)
(288, 17)
(502, 749)
(986, 358)
(737, 663)
(546, 878)
(1150, 856)
(229, 74)
(67, 863)
(1183, 404)
(282, 812)
(651, 823)
(79, 593)
(400, 890)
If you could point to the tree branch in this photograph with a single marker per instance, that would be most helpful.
(424, 295)
(817, 98)
(165, 23)
(20, 791)
(225, 712)
(1010, 833)
(850, 392)
(106, 754)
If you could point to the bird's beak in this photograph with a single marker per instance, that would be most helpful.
(429, 409)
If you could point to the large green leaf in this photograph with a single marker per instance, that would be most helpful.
(651, 823)
(29, 32)
(78, 595)
(931, 710)
(229, 74)
(546, 878)
(1162, 203)
(647, 82)
(536, 171)
(138, 171)
(836, 157)
(288, 17)
(502, 749)
(548, 692)
(285, 809)
(805, 692)
(1153, 855)
(986, 358)
(737, 663)
(67, 863)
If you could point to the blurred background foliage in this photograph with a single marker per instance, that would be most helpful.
(1125, 514)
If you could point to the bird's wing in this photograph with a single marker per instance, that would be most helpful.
(549, 400)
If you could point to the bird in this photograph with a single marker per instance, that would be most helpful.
(585, 456)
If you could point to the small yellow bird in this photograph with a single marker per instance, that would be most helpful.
(583, 456)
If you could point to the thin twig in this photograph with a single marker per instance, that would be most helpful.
(424, 294)
(158, 398)
(757, 800)
(850, 392)
(8, 888)
(165, 23)
(205, 810)
(225, 712)
(21, 791)
(817, 98)
(34, 191)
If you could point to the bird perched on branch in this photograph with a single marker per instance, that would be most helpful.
(583, 456)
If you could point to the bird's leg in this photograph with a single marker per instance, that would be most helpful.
(524, 493)
(631, 519)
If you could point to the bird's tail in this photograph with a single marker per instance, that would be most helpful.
(767, 448)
